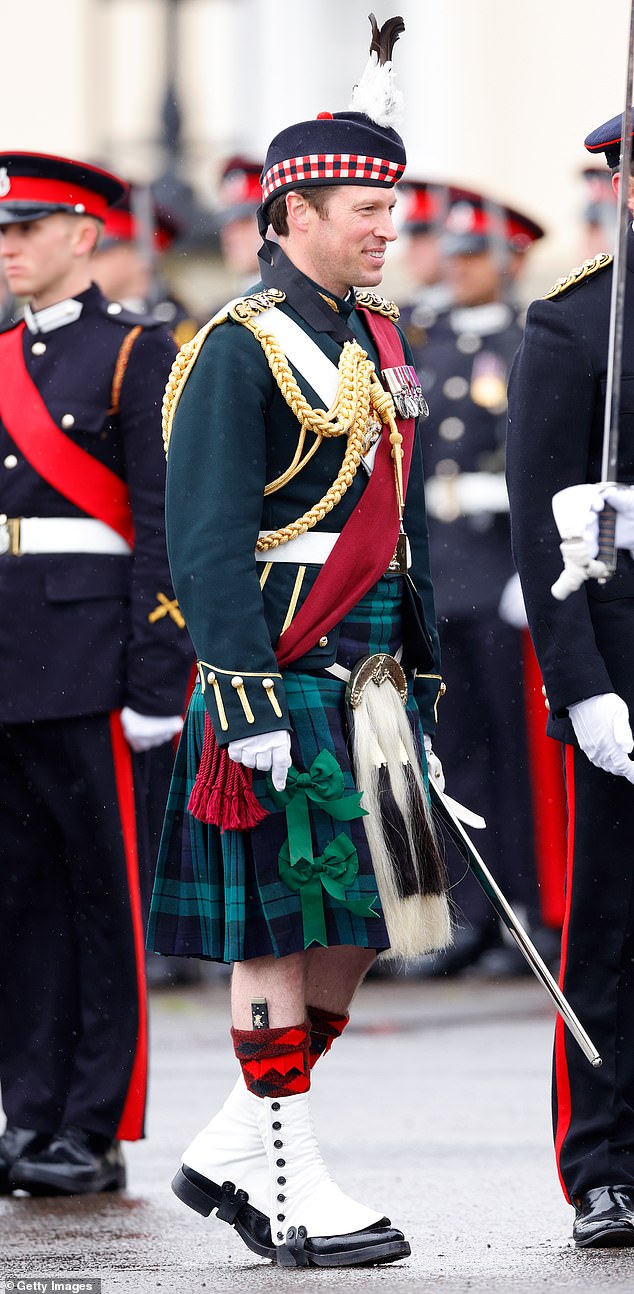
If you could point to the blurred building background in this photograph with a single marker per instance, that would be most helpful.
(499, 96)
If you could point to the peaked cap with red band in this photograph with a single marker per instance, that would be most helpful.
(34, 185)
(125, 222)
(359, 146)
(240, 191)
(423, 205)
(607, 139)
(475, 223)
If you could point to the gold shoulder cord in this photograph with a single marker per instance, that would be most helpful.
(360, 397)
(179, 373)
(577, 275)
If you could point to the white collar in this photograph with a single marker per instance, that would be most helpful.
(484, 320)
(56, 316)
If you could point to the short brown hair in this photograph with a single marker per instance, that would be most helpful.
(316, 196)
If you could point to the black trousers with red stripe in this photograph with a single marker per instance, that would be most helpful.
(594, 1108)
(73, 1036)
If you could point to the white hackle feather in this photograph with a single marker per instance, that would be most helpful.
(376, 94)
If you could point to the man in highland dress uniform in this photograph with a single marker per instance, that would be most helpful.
(298, 543)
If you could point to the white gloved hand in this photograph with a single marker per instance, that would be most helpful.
(602, 728)
(434, 766)
(264, 751)
(143, 731)
(511, 608)
(577, 523)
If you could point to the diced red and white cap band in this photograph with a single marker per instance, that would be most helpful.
(335, 168)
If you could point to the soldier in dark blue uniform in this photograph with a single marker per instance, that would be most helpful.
(584, 646)
(464, 355)
(95, 661)
(286, 420)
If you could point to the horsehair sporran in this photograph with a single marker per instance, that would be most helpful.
(387, 766)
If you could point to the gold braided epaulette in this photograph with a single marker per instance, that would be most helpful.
(243, 309)
(580, 272)
(372, 301)
(255, 304)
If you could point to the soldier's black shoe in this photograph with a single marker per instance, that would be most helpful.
(14, 1143)
(76, 1162)
(605, 1218)
(380, 1243)
(231, 1204)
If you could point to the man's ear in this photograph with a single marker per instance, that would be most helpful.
(88, 234)
(298, 210)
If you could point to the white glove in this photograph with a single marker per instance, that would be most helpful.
(576, 512)
(578, 526)
(266, 750)
(602, 728)
(511, 608)
(434, 766)
(143, 731)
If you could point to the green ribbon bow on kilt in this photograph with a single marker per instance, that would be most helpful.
(324, 785)
(334, 870)
(338, 866)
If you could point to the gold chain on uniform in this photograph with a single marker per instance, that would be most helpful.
(359, 395)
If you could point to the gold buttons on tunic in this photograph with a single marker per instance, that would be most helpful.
(323, 642)
(238, 683)
(269, 688)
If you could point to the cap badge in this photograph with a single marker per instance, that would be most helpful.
(5, 183)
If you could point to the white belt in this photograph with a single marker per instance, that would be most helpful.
(342, 673)
(313, 548)
(59, 535)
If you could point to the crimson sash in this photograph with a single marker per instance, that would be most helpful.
(366, 544)
(69, 469)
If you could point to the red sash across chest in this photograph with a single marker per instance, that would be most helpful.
(70, 470)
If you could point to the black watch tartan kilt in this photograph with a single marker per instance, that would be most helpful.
(218, 895)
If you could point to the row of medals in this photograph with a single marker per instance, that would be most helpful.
(409, 402)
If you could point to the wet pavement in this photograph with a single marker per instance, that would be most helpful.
(434, 1107)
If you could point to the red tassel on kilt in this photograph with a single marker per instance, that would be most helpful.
(222, 795)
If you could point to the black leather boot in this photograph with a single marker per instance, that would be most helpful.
(605, 1218)
(75, 1162)
(14, 1143)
